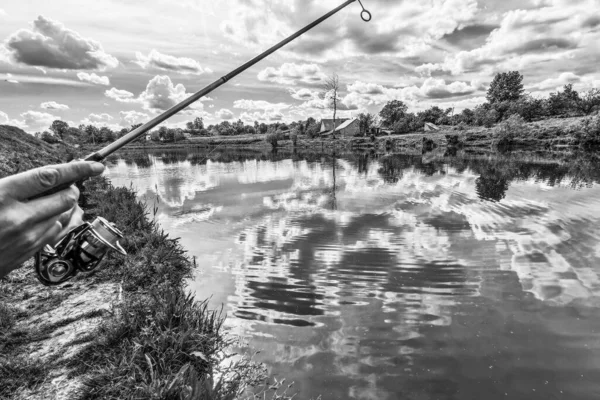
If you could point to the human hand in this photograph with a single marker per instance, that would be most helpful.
(27, 226)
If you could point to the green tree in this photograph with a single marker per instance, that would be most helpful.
(92, 134)
(589, 102)
(49, 138)
(392, 112)
(164, 134)
(59, 128)
(178, 135)
(365, 123)
(198, 123)
(107, 134)
(506, 86)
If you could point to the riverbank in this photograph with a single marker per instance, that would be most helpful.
(128, 330)
(553, 133)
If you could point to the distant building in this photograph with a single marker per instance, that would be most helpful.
(344, 127)
(429, 127)
(379, 130)
(327, 124)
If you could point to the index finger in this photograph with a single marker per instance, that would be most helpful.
(39, 180)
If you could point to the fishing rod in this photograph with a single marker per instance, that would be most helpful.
(85, 246)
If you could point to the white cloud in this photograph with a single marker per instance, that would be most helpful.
(558, 83)
(44, 80)
(122, 96)
(2, 13)
(133, 117)
(100, 117)
(290, 74)
(304, 94)
(526, 38)
(3, 117)
(362, 95)
(260, 110)
(160, 94)
(166, 62)
(399, 28)
(224, 114)
(93, 78)
(35, 120)
(259, 105)
(50, 44)
(438, 89)
(52, 105)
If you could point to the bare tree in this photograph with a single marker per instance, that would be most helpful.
(332, 89)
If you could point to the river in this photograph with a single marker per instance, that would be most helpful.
(366, 276)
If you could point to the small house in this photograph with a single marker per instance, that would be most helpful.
(429, 127)
(344, 127)
(327, 124)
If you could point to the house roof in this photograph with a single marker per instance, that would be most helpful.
(345, 124)
(329, 123)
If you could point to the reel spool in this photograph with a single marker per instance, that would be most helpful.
(81, 250)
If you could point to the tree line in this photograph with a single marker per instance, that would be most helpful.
(505, 97)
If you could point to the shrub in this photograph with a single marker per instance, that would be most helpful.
(506, 132)
(588, 134)
(485, 115)
(428, 145)
(294, 138)
(453, 141)
(273, 139)
(49, 138)
(589, 102)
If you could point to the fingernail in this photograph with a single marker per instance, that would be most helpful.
(97, 167)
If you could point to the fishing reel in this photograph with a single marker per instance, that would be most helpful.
(83, 249)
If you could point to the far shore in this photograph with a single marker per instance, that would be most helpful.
(554, 133)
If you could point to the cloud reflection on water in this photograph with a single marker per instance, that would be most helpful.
(350, 280)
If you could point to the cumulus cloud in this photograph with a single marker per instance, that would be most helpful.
(52, 105)
(266, 116)
(2, 13)
(224, 114)
(50, 44)
(438, 89)
(400, 28)
(32, 120)
(122, 96)
(362, 95)
(160, 94)
(556, 83)
(290, 74)
(259, 105)
(165, 62)
(93, 78)
(3, 117)
(260, 110)
(133, 117)
(526, 37)
(100, 117)
(304, 94)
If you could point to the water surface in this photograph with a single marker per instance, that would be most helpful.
(365, 276)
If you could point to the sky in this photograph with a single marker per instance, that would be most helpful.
(120, 62)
